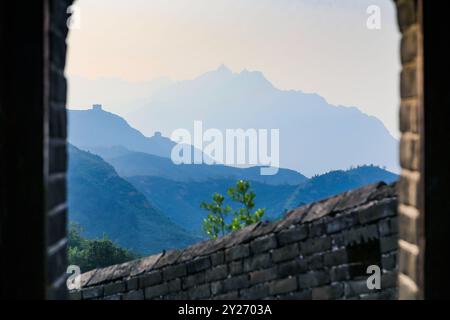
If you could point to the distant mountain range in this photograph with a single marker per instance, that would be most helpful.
(315, 137)
(124, 183)
(181, 200)
(104, 203)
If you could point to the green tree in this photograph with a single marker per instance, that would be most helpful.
(92, 254)
(216, 224)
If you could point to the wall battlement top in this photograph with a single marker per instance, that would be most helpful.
(327, 208)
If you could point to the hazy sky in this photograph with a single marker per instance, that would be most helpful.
(320, 46)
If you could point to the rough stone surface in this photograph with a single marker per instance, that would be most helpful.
(322, 253)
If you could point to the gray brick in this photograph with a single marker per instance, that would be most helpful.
(336, 258)
(174, 285)
(92, 293)
(355, 288)
(314, 262)
(235, 283)
(175, 271)
(285, 253)
(389, 280)
(134, 295)
(236, 267)
(263, 275)
(234, 295)
(263, 244)
(317, 229)
(388, 227)
(340, 273)
(389, 261)
(383, 209)
(293, 267)
(331, 292)
(198, 265)
(200, 292)
(260, 261)
(156, 291)
(132, 284)
(259, 291)
(315, 245)
(217, 273)
(113, 288)
(340, 223)
(150, 279)
(290, 235)
(283, 286)
(218, 258)
(388, 244)
(216, 288)
(313, 279)
(193, 280)
(237, 252)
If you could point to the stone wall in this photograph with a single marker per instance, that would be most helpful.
(411, 237)
(318, 251)
(56, 206)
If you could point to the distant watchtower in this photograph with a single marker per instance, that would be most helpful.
(97, 107)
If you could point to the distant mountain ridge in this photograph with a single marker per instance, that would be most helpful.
(102, 202)
(131, 153)
(315, 136)
(180, 200)
(97, 128)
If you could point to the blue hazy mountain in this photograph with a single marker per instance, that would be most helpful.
(131, 153)
(101, 202)
(181, 200)
(144, 164)
(315, 136)
(102, 130)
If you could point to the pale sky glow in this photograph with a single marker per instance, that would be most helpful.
(320, 46)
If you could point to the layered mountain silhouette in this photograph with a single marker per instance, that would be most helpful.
(315, 137)
(181, 200)
(104, 203)
(131, 153)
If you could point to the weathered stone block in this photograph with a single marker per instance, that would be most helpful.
(200, 292)
(388, 244)
(235, 283)
(340, 223)
(290, 235)
(217, 258)
(134, 295)
(263, 244)
(198, 265)
(236, 267)
(113, 288)
(259, 291)
(263, 275)
(156, 291)
(283, 286)
(336, 258)
(174, 271)
(217, 273)
(315, 245)
(92, 293)
(150, 279)
(237, 252)
(285, 253)
(260, 261)
(293, 267)
(313, 279)
(331, 292)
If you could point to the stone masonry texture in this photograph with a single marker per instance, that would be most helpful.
(320, 251)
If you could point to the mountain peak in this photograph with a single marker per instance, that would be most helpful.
(223, 69)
